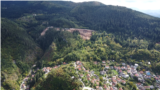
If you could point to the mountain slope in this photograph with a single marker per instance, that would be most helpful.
(19, 52)
(120, 34)
(118, 20)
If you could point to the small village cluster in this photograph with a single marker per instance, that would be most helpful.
(23, 86)
(109, 82)
(124, 72)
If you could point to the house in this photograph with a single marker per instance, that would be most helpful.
(97, 87)
(123, 81)
(115, 67)
(125, 75)
(95, 62)
(149, 63)
(87, 71)
(147, 87)
(115, 88)
(100, 88)
(151, 87)
(27, 88)
(92, 72)
(92, 81)
(111, 88)
(23, 86)
(128, 71)
(120, 89)
(72, 77)
(148, 73)
(118, 79)
(83, 68)
(114, 81)
(158, 80)
(88, 75)
(141, 88)
(106, 67)
(103, 62)
(136, 65)
(133, 70)
(147, 77)
(102, 72)
(32, 75)
(97, 83)
(64, 63)
(123, 64)
(104, 86)
(119, 71)
(137, 75)
(79, 69)
(141, 72)
(123, 68)
(78, 66)
(89, 79)
(128, 67)
(140, 79)
(113, 77)
(81, 75)
(78, 62)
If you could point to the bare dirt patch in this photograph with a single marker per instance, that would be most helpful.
(84, 33)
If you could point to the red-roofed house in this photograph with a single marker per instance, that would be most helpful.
(103, 62)
(123, 81)
(111, 88)
(114, 81)
(64, 63)
(95, 62)
(97, 83)
(120, 89)
(89, 79)
(104, 86)
(106, 67)
(97, 87)
(78, 62)
(137, 75)
(32, 75)
(118, 79)
(79, 69)
(141, 72)
(88, 75)
(92, 81)
(147, 87)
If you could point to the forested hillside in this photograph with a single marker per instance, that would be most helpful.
(19, 52)
(119, 33)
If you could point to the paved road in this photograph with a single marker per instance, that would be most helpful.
(24, 80)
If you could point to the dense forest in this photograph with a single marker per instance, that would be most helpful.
(119, 33)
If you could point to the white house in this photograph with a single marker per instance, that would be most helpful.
(149, 63)
(125, 75)
(136, 65)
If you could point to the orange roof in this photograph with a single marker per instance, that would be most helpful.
(120, 89)
(97, 83)
(111, 88)
(64, 62)
(97, 86)
(105, 86)
(79, 68)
